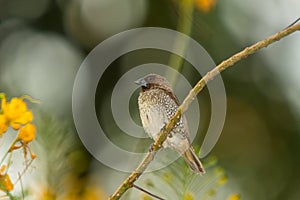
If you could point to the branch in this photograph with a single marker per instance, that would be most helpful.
(128, 183)
(147, 192)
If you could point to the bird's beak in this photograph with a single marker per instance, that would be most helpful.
(141, 82)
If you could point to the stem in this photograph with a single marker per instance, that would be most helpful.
(185, 21)
(22, 189)
(9, 150)
(23, 172)
(129, 182)
(147, 192)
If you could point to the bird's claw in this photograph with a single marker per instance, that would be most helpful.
(164, 127)
(151, 148)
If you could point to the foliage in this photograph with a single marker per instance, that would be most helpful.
(15, 114)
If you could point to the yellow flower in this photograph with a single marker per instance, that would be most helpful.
(168, 177)
(3, 100)
(5, 183)
(16, 112)
(223, 180)
(27, 133)
(205, 5)
(188, 196)
(2, 170)
(45, 193)
(14, 109)
(78, 188)
(146, 197)
(3, 124)
(234, 197)
(25, 118)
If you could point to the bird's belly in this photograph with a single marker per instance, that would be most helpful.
(153, 120)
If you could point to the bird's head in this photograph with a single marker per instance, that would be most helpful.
(151, 81)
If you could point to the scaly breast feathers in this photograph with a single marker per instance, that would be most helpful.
(153, 119)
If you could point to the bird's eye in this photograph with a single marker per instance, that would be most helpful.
(150, 79)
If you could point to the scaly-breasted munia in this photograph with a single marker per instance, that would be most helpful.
(157, 104)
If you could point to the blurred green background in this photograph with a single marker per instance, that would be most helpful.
(43, 43)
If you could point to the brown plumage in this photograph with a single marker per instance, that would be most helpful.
(157, 104)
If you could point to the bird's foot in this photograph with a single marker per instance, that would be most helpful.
(163, 127)
(151, 148)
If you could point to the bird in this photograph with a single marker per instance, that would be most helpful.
(157, 104)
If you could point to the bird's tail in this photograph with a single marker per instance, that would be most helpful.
(193, 161)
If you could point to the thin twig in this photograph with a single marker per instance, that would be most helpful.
(24, 170)
(21, 183)
(128, 183)
(147, 192)
(295, 22)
